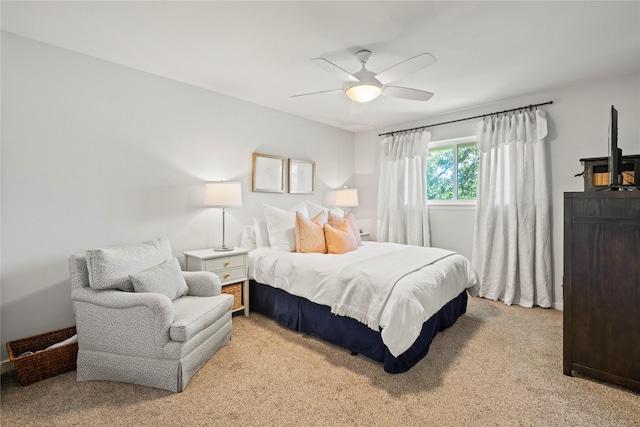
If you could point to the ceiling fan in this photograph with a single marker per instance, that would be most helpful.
(365, 86)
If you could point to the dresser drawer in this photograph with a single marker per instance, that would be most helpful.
(231, 274)
(224, 263)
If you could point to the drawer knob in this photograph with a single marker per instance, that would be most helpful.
(226, 276)
(226, 263)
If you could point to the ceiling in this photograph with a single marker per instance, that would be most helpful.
(260, 51)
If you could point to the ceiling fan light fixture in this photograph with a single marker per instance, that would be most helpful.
(363, 92)
(365, 86)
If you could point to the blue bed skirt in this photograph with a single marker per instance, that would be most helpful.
(317, 320)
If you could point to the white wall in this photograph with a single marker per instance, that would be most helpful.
(95, 154)
(578, 123)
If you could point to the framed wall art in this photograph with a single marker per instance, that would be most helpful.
(267, 173)
(302, 176)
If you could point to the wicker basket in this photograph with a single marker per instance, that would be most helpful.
(236, 291)
(43, 363)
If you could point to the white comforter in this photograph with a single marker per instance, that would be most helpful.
(415, 298)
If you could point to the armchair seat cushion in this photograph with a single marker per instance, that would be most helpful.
(192, 314)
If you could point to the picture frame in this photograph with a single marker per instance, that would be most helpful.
(267, 173)
(302, 176)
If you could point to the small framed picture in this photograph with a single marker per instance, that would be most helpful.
(302, 176)
(267, 173)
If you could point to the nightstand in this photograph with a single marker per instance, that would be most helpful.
(365, 235)
(231, 268)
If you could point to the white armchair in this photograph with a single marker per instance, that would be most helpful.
(141, 320)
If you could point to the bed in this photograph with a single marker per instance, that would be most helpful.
(305, 291)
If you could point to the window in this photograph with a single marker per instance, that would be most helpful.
(452, 170)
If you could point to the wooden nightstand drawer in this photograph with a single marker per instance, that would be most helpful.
(225, 263)
(231, 274)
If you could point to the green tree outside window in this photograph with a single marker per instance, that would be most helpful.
(452, 172)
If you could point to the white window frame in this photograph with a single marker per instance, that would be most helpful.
(453, 142)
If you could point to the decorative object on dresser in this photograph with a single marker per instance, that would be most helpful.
(302, 176)
(267, 173)
(230, 267)
(596, 172)
(616, 172)
(602, 286)
(223, 194)
(142, 320)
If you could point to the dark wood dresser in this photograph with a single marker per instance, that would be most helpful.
(602, 286)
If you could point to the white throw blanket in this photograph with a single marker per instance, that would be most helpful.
(364, 287)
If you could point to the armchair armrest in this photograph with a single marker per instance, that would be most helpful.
(122, 322)
(122, 299)
(202, 283)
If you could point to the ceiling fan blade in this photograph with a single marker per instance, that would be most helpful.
(407, 93)
(405, 68)
(316, 93)
(332, 68)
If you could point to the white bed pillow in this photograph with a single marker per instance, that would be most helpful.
(281, 225)
(314, 209)
(261, 232)
(248, 240)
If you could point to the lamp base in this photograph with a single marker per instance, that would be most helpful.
(223, 248)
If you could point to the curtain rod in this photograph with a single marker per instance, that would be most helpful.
(468, 118)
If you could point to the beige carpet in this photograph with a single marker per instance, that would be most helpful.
(497, 366)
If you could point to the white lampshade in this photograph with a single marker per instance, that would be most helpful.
(347, 197)
(223, 194)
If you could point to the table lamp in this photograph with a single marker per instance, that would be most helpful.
(347, 197)
(223, 194)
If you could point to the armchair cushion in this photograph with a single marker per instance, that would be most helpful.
(165, 279)
(193, 314)
(78, 272)
(110, 268)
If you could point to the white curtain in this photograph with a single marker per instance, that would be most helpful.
(402, 194)
(512, 239)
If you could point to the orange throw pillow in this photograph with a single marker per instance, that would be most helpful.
(310, 234)
(340, 240)
(335, 221)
